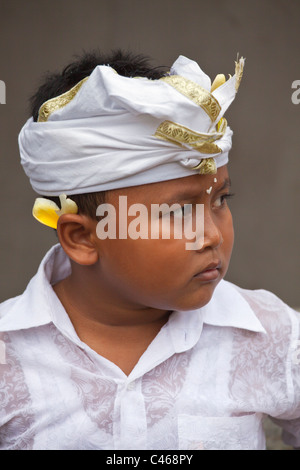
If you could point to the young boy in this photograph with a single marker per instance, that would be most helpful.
(127, 337)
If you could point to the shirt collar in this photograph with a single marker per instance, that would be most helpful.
(229, 308)
(35, 306)
(38, 306)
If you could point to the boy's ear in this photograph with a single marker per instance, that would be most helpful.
(76, 234)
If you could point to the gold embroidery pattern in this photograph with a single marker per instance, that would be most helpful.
(58, 102)
(221, 126)
(207, 166)
(239, 68)
(195, 93)
(180, 135)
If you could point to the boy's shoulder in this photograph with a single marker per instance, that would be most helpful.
(7, 307)
(18, 313)
(31, 308)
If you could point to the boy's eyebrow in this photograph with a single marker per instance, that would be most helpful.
(226, 184)
(190, 193)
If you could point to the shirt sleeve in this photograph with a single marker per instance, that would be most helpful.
(282, 347)
(289, 420)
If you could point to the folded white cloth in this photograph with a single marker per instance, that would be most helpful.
(112, 131)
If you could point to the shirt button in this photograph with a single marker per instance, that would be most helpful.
(131, 386)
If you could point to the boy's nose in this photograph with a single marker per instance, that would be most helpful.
(212, 234)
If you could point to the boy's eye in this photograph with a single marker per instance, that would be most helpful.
(220, 201)
(180, 211)
(186, 210)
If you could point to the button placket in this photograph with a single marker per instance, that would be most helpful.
(133, 429)
(131, 386)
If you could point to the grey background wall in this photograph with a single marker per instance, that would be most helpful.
(37, 36)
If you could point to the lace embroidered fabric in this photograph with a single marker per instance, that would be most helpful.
(58, 394)
(206, 398)
(15, 403)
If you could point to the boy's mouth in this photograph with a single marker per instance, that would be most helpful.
(210, 273)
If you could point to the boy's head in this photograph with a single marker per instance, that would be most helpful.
(126, 64)
(152, 137)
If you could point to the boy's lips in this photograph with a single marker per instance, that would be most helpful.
(210, 273)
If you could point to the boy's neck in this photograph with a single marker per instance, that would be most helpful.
(121, 333)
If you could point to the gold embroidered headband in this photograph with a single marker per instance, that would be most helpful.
(111, 131)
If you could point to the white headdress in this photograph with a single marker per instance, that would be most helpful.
(111, 131)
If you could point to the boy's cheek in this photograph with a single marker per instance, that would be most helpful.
(227, 249)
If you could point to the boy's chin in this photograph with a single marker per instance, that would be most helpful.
(199, 299)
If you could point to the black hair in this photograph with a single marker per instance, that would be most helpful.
(54, 84)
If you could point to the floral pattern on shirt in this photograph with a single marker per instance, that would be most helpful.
(15, 402)
(93, 389)
(257, 356)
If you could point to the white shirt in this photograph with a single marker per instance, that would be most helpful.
(205, 382)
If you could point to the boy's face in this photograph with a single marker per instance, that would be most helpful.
(162, 273)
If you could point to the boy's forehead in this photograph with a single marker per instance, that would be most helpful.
(175, 188)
